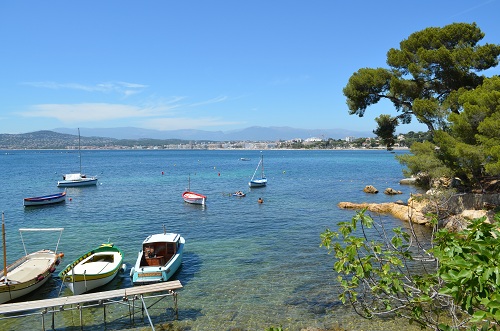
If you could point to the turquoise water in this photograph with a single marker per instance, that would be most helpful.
(246, 266)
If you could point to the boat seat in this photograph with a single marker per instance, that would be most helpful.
(155, 261)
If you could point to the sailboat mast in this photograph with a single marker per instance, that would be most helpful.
(262, 165)
(4, 251)
(79, 151)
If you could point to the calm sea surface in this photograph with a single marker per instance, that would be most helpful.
(247, 266)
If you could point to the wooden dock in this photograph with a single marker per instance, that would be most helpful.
(55, 305)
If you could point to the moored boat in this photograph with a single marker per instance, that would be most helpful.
(77, 179)
(159, 258)
(45, 199)
(93, 269)
(262, 181)
(28, 273)
(193, 197)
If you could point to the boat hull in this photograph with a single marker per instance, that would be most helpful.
(194, 198)
(27, 274)
(93, 269)
(143, 274)
(45, 200)
(78, 182)
(258, 182)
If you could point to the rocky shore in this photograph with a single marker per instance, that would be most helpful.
(455, 210)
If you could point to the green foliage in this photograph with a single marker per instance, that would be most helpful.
(470, 269)
(272, 328)
(433, 77)
(424, 161)
(385, 130)
(470, 148)
(428, 68)
(457, 280)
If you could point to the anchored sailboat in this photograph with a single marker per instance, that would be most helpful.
(262, 181)
(77, 179)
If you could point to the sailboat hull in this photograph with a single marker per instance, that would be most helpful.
(27, 274)
(262, 181)
(74, 180)
(257, 182)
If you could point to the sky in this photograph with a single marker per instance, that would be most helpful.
(215, 65)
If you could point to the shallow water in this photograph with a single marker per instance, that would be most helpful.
(246, 266)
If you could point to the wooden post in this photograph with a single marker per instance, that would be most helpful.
(53, 317)
(104, 308)
(176, 309)
(81, 316)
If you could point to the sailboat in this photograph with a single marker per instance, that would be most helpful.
(262, 181)
(193, 197)
(29, 272)
(77, 179)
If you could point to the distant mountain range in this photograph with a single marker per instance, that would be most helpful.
(255, 133)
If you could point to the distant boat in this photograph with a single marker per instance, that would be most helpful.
(45, 199)
(262, 181)
(29, 272)
(77, 179)
(239, 194)
(244, 159)
(193, 197)
(159, 258)
(93, 269)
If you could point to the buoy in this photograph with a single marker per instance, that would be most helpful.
(61, 255)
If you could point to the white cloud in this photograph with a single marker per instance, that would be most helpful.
(208, 102)
(91, 112)
(124, 88)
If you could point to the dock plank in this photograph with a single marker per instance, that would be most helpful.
(8, 308)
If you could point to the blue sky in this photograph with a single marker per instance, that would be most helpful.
(217, 65)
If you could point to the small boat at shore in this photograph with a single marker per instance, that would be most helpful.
(29, 272)
(159, 258)
(93, 269)
(45, 199)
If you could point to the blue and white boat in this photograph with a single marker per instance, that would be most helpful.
(262, 181)
(159, 258)
(45, 199)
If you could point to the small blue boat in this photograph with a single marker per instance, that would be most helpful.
(45, 199)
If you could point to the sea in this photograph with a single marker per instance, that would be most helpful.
(246, 266)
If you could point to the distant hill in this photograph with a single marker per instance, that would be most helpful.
(255, 133)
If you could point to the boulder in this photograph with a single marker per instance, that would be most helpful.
(402, 212)
(408, 181)
(370, 189)
(391, 191)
